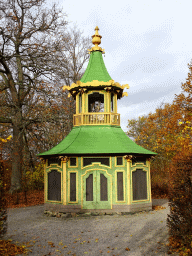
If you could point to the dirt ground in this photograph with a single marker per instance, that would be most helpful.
(143, 233)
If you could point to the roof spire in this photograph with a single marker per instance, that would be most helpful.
(96, 40)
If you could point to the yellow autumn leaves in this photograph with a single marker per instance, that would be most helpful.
(7, 139)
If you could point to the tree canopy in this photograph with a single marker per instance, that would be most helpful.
(37, 54)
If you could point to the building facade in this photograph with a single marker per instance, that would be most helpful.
(97, 167)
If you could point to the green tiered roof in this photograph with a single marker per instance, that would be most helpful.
(96, 69)
(97, 140)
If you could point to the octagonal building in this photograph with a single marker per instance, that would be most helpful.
(97, 167)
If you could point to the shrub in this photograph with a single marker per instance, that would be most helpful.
(3, 210)
(35, 179)
(180, 200)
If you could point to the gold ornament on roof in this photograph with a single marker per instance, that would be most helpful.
(96, 40)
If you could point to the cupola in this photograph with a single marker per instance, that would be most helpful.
(96, 93)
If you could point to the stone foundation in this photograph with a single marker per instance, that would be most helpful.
(66, 211)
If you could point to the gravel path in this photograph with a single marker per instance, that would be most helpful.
(136, 234)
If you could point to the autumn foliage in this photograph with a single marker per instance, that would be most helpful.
(180, 201)
(168, 132)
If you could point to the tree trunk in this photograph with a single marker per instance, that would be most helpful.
(17, 157)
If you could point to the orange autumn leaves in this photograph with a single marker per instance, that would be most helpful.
(168, 130)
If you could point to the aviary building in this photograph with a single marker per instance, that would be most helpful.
(97, 167)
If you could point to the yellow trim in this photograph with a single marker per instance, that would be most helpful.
(115, 103)
(77, 189)
(77, 103)
(58, 170)
(136, 164)
(76, 166)
(45, 180)
(64, 182)
(124, 195)
(118, 166)
(147, 176)
(102, 165)
(149, 173)
(97, 118)
(83, 185)
(128, 182)
(96, 83)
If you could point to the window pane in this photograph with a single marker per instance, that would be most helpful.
(89, 161)
(54, 185)
(103, 188)
(120, 160)
(72, 186)
(120, 186)
(72, 161)
(139, 179)
(89, 188)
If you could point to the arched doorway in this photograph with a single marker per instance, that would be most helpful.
(96, 190)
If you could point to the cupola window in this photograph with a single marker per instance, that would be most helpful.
(96, 102)
(80, 103)
(112, 107)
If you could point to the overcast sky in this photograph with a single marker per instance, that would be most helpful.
(148, 44)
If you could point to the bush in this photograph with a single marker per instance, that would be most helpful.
(3, 210)
(180, 200)
(35, 179)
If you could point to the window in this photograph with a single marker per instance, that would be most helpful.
(73, 161)
(119, 160)
(89, 161)
(54, 160)
(139, 180)
(54, 185)
(89, 188)
(112, 104)
(96, 102)
(72, 187)
(80, 103)
(103, 188)
(120, 196)
(137, 160)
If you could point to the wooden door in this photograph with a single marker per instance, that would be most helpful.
(96, 190)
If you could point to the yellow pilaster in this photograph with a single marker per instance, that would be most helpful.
(149, 179)
(83, 103)
(64, 160)
(109, 101)
(45, 164)
(115, 103)
(128, 158)
(128, 181)
(77, 104)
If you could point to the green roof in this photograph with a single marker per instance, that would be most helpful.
(104, 139)
(96, 69)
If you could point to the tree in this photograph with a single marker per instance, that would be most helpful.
(33, 48)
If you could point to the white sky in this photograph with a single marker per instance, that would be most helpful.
(148, 44)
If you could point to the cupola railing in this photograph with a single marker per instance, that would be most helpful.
(96, 119)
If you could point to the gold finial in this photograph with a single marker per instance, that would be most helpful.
(96, 40)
